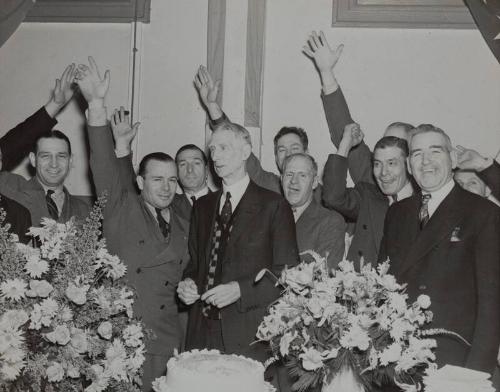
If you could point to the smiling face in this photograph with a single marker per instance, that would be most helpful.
(192, 170)
(389, 169)
(229, 153)
(472, 183)
(286, 145)
(298, 181)
(51, 161)
(431, 160)
(158, 183)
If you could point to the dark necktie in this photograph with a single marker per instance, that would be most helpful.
(51, 205)
(424, 210)
(164, 225)
(193, 199)
(395, 198)
(227, 211)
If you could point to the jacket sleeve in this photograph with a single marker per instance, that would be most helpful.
(485, 341)
(262, 177)
(338, 116)
(127, 172)
(18, 142)
(105, 168)
(331, 239)
(284, 242)
(336, 195)
(491, 177)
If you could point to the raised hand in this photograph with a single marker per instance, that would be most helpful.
(318, 49)
(353, 135)
(92, 86)
(123, 132)
(63, 91)
(206, 87)
(468, 159)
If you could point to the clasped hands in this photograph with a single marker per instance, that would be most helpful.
(218, 296)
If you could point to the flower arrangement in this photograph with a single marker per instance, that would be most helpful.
(327, 323)
(65, 314)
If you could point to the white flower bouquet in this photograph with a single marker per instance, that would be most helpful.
(65, 313)
(330, 322)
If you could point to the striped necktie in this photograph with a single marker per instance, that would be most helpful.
(164, 225)
(51, 205)
(424, 210)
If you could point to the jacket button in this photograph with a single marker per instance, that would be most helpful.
(138, 270)
(360, 252)
(141, 242)
(422, 287)
(166, 283)
(365, 227)
(162, 307)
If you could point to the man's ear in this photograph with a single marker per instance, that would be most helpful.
(32, 159)
(140, 182)
(247, 150)
(408, 166)
(315, 182)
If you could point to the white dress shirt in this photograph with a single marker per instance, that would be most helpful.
(403, 193)
(297, 211)
(236, 190)
(197, 195)
(438, 196)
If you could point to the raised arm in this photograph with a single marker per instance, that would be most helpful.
(18, 142)
(336, 195)
(334, 104)
(103, 162)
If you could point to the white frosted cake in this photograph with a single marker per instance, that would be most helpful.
(211, 371)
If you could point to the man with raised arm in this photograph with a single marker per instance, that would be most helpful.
(142, 229)
(367, 203)
(235, 233)
(443, 242)
(336, 109)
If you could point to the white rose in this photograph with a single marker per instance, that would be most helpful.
(60, 335)
(77, 294)
(79, 340)
(39, 288)
(105, 330)
(424, 301)
(311, 359)
(73, 372)
(55, 372)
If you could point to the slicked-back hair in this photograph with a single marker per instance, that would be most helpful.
(154, 156)
(407, 127)
(313, 162)
(426, 128)
(186, 147)
(294, 130)
(393, 141)
(53, 134)
(239, 131)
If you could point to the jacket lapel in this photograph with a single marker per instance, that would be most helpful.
(377, 208)
(437, 230)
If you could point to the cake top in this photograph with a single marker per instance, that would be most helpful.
(212, 361)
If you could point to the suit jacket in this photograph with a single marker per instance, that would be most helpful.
(31, 195)
(338, 116)
(17, 217)
(323, 231)
(455, 260)
(18, 142)
(491, 177)
(263, 236)
(365, 204)
(154, 266)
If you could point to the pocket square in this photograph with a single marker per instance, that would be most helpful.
(455, 235)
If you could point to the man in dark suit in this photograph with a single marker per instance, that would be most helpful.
(367, 203)
(192, 167)
(142, 229)
(235, 232)
(444, 243)
(317, 228)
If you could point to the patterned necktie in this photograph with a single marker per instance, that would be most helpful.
(51, 205)
(164, 225)
(424, 210)
(227, 211)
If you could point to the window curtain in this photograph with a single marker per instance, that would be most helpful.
(12, 13)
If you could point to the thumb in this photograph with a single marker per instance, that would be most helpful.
(339, 50)
(107, 79)
(58, 85)
(135, 127)
(217, 85)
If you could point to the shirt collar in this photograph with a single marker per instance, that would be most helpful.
(202, 192)
(403, 193)
(237, 190)
(166, 214)
(438, 196)
(297, 211)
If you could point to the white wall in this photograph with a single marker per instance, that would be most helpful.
(446, 77)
